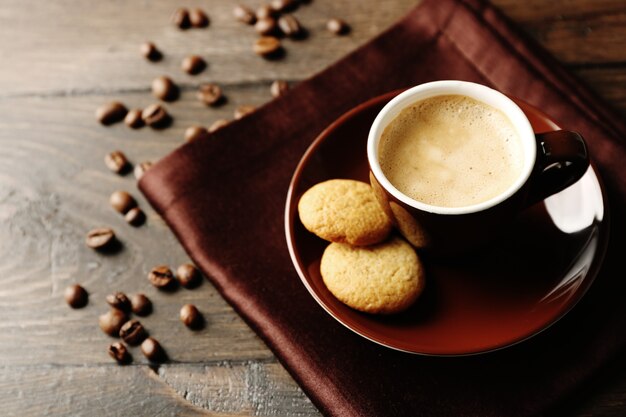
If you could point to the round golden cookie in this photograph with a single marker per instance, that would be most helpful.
(382, 279)
(344, 211)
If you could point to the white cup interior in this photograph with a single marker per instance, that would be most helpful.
(476, 91)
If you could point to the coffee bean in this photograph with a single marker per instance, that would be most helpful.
(290, 26)
(278, 88)
(121, 201)
(337, 26)
(193, 64)
(112, 321)
(190, 316)
(282, 6)
(264, 12)
(135, 216)
(217, 125)
(164, 89)
(243, 110)
(100, 238)
(142, 306)
(188, 275)
(133, 119)
(153, 351)
(210, 94)
(195, 132)
(161, 277)
(110, 113)
(198, 18)
(133, 333)
(118, 300)
(141, 169)
(155, 116)
(150, 51)
(76, 296)
(266, 26)
(181, 18)
(116, 161)
(244, 14)
(119, 352)
(267, 46)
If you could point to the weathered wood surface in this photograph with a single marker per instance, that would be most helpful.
(58, 61)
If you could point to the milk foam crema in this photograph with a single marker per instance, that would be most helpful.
(451, 151)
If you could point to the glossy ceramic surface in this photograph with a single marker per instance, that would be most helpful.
(531, 275)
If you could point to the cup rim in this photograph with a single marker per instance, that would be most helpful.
(476, 91)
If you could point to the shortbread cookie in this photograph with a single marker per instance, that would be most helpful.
(382, 279)
(344, 211)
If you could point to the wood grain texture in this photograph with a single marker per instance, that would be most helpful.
(62, 59)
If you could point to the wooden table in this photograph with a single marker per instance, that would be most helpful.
(59, 60)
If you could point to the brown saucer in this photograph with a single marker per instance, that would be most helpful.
(518, 286)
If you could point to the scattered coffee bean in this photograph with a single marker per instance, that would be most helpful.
(290, 26)
(198, 18)
(135, 216)
(337, 26)
(244, 15)
(121, 201)
(142, 306)
(133, 333)
(116, 161)
(217, 125)
(195, 132)
(282, 6)
(119, 352)
(133, 119)
(118, 300)
(141, 169)
(278, 88)
(267, 46)
(243, 110)
(266, 26)
(188, 275)
(190, 316)
(181, 18)
(153, 351)
(76, 296)
(100, 238)
(111, 322)
(155, 116)
(110, 113)
(193, 64)
(210, 94)
(264, 12)
(161, 277)
(164, 89)
(150, 51)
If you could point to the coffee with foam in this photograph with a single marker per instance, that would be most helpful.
(451, 151)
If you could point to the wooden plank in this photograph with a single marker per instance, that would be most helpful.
(542, 10)
(609, 83)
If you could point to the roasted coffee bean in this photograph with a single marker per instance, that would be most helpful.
(100, 238)
(290, 26)
(244, 15)
(118, 300)
(76, 296)
(133, 119)
(337, 26)
(267, 46)
(198, 18)
(243, 110)
(266, 26)
(164, 89)
(116, 161)
(110, 113)
(264, 12)
(188, 275)
(217, 125)
(278, 88)
(181, 18)
(135, 216)
(133, 333)
(193, 64)
(161, 277)
(121, 201)
(210, 94)
(153, 351)
(195, 132)
(150, 51)
(141, 169)
(111, 322)
(119, 352)
(142, 306)
(282, 6)
(155, 116)
(190, 316)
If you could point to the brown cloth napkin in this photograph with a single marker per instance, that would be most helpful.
(225, 198)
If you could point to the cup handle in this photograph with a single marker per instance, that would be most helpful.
(561, 160)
